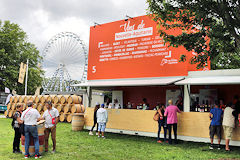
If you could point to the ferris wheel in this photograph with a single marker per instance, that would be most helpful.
(64, 62)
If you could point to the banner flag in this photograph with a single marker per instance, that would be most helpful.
(22, 72)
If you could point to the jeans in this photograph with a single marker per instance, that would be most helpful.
(47, 131)
(161, 123)
(31, 130)
(16, 141)
(174, 131)
(101, 127)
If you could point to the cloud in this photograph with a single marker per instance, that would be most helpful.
(43, 19)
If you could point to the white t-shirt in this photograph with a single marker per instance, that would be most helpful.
(117, 105)
(228, 118)
(8, 99)
(48, 119)
(30, 116)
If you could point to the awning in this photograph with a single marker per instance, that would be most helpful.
(131, 82)
(210, 80)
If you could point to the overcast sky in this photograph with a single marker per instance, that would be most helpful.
(42, 19)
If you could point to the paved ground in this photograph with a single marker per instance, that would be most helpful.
(2, 116)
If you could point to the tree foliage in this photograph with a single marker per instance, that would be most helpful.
(217, 20)
(14, 49)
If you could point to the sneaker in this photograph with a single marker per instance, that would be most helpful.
(90, 133)
(211, 146)
(159, 141)
(26, 156)
(54, 151)
(219, 147)
(98, 136)
(38, 156)
(96, 133)
(103, 137)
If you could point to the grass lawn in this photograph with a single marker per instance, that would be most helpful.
(79, 145)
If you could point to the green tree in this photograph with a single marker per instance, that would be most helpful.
(219, 20)
(14, 49)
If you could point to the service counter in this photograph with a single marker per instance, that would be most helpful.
(192, 126)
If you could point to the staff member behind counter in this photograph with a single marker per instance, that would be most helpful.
(51, 116)
(144, 105)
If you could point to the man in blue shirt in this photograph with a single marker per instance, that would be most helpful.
(216, 123)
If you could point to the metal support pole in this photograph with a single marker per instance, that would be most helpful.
(89, 94)
(26, 79)
(187, 99)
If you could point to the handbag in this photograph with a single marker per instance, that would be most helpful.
(53, 119)
(156, 116)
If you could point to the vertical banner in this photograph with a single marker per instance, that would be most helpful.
(22, 71)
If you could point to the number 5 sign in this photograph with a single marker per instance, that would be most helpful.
(94, 69)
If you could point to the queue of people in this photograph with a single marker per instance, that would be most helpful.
(225, 119)
(25, 122)
(221, 117)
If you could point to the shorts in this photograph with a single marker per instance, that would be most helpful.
(215, 130)
(228, 132)
(101, 127)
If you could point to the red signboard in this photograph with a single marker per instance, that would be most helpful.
(133, 49)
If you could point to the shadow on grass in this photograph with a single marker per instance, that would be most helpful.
(201, 146)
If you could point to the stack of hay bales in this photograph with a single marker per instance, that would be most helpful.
(65, 104)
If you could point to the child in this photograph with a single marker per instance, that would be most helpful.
(102, 118)
(215, 126)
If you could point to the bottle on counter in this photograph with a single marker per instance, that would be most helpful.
(206, 106)
(198, 108)
(144, 107)
(202, 106)
(129, 105)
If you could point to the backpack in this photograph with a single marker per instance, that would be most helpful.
(14, 118)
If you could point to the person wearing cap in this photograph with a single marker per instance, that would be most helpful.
(171, 114)
(30, 117)
(102, 118)
(51, 116)
(95, 119)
